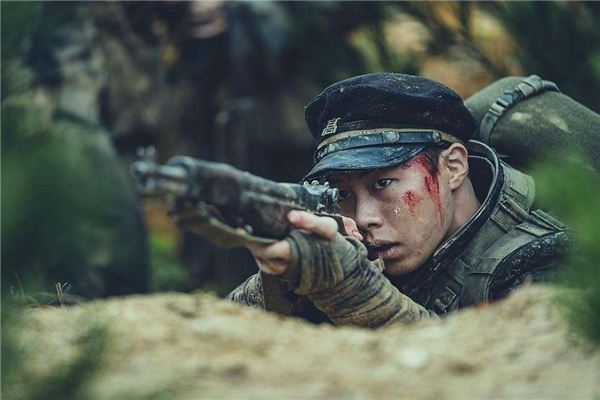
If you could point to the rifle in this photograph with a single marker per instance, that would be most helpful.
(225, 205)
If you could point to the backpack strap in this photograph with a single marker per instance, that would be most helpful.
(530, 86)
(447, 300)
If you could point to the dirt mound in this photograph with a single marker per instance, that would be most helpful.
(196, 346)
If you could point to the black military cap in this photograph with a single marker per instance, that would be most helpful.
(380, 120)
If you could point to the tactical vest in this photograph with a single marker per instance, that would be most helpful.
(509, 227)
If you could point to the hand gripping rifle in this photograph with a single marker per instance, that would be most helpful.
(229, 207)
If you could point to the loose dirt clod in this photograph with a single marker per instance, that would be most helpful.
(197, 346)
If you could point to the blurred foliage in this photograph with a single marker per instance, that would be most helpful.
(452, 24)
(26, 377)
(61, 203)
(25, 16)
(44, 206)
(167, 271)
(572, 192)
(329, 24)
(42, 201)
(560, 41)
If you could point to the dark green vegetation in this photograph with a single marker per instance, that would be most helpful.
(575, 194)
(559, 41)
(68, 208)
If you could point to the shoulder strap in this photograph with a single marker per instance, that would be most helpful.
(447, 300)
(518, 186)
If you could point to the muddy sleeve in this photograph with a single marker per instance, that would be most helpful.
(351, 290)
(249, 293)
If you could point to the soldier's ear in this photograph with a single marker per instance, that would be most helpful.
(456, 163)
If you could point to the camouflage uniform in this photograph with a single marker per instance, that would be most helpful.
(502, 246)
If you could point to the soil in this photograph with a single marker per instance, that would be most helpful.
(196, 346)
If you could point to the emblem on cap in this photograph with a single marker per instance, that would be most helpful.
(330, 128)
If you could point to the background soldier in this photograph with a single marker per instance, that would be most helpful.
(437, 222)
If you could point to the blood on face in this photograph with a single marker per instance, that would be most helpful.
(430, 182)
(411, 200)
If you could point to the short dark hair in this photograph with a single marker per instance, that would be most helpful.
(431, 154)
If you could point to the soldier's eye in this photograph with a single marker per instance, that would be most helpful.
(381, 184)
(343, 195)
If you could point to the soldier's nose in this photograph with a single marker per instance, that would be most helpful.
(367, 217)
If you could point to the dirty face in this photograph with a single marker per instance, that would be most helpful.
(403, 212)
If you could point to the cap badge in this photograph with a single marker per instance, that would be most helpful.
(331, 127)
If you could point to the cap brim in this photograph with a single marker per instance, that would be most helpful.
(363, 158)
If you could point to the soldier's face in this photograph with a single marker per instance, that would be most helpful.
(403, 212)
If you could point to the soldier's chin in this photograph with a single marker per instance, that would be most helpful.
(401, 266)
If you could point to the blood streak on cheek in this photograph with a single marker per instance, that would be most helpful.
(411, 200)
(432, 184)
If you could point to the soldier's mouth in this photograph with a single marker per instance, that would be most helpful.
(383, 251)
